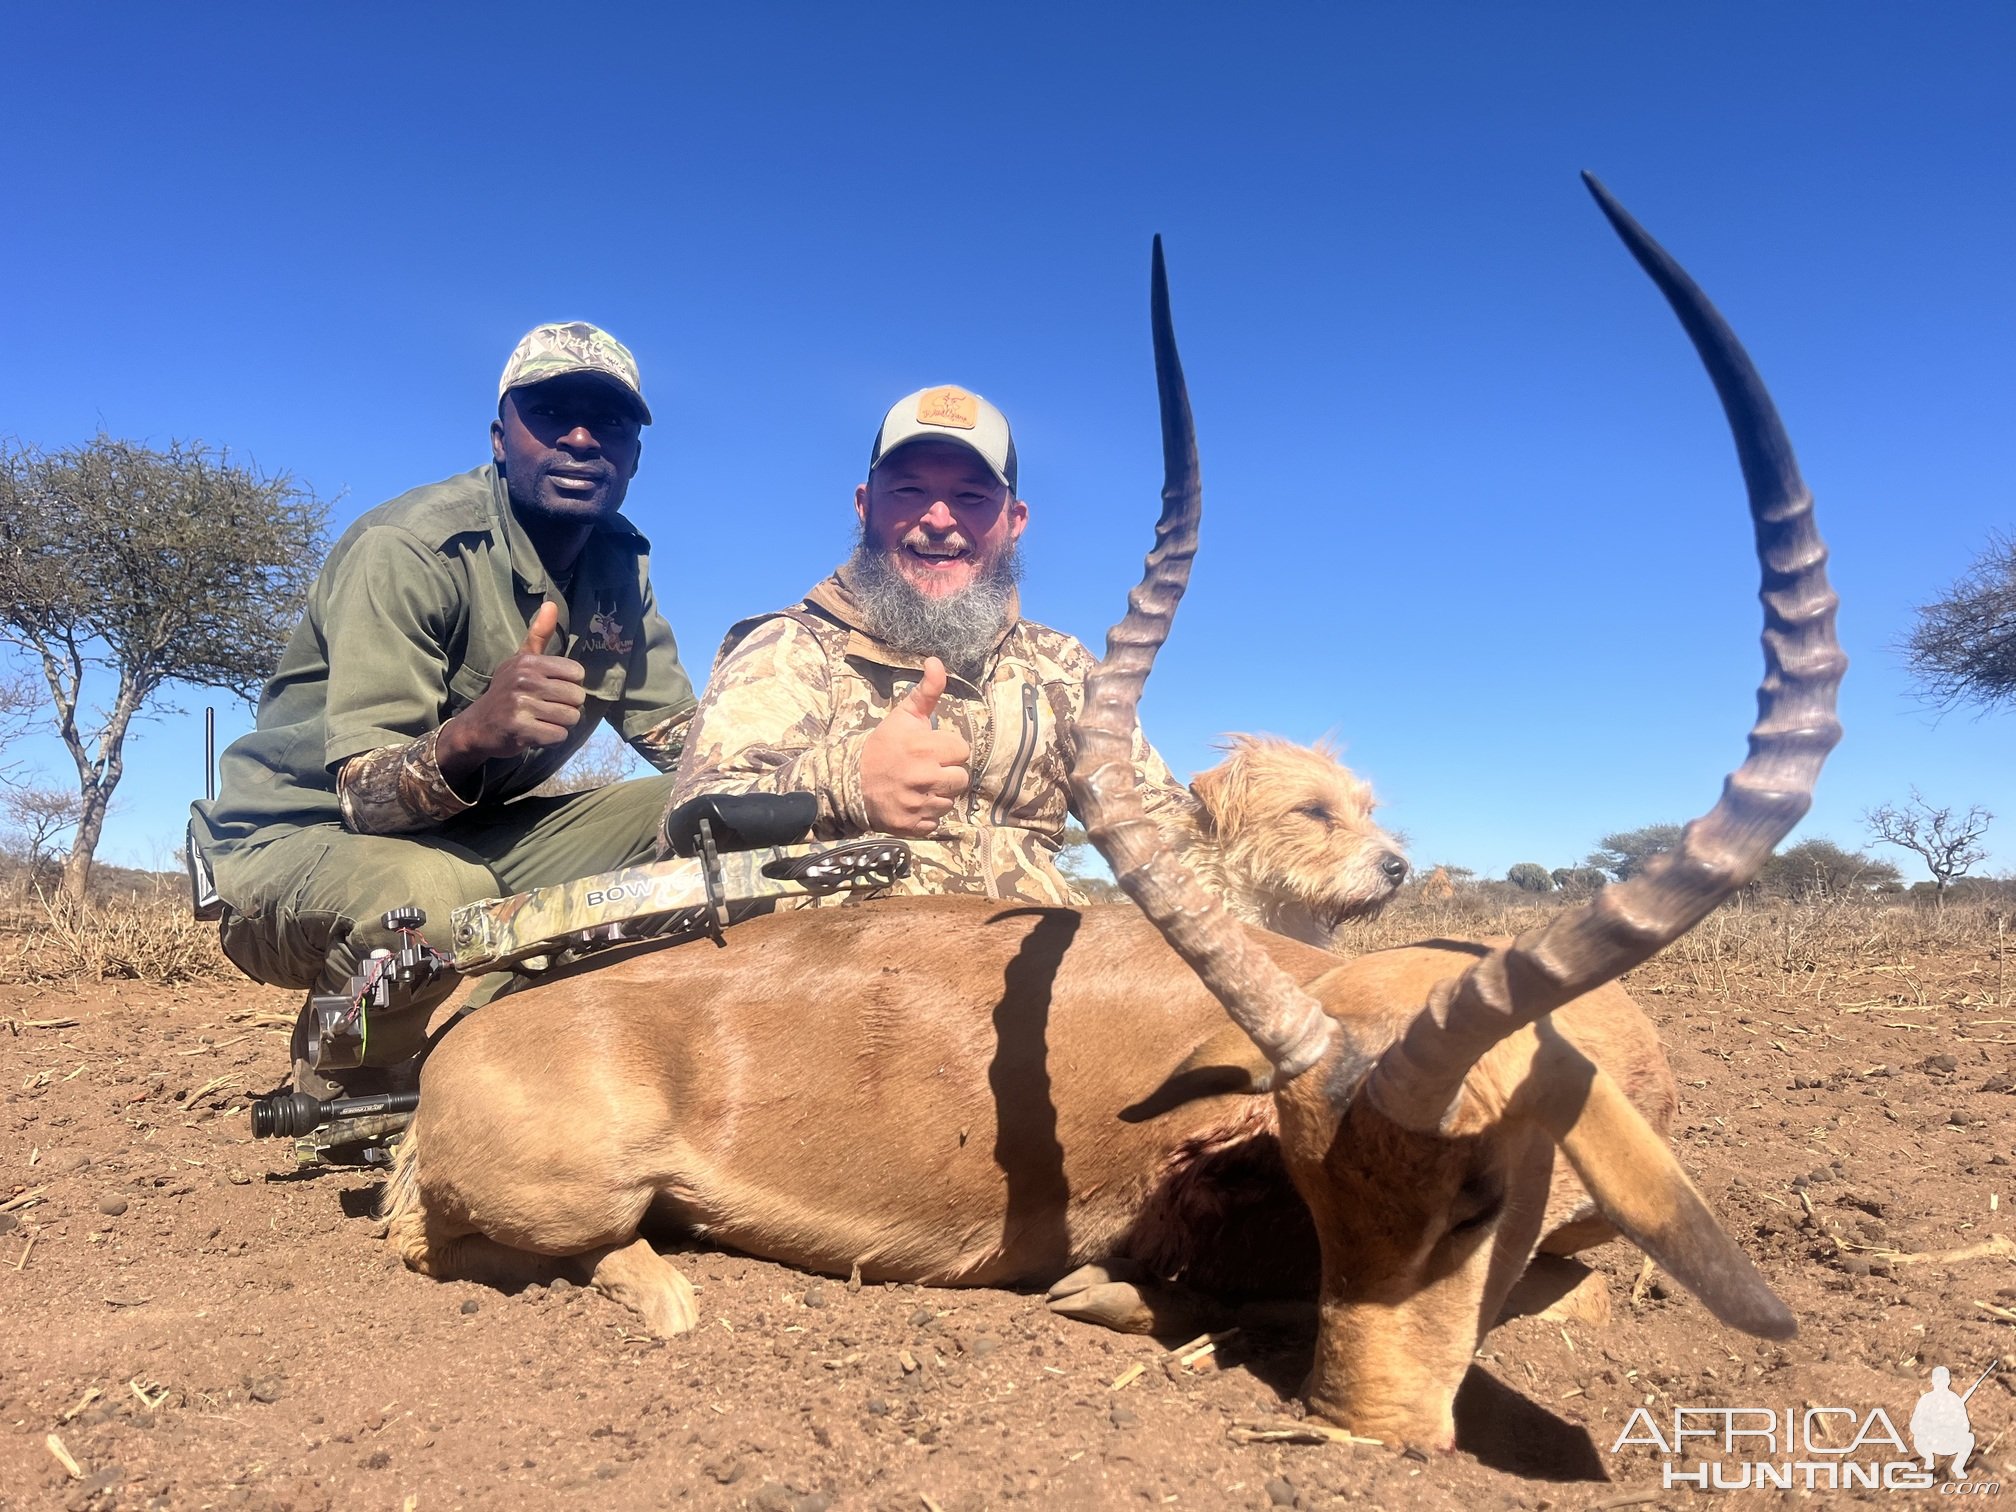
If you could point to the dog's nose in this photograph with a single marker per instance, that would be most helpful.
(1395, 868)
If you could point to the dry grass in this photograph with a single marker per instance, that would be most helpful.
(1785, 947)
(1801, 947)
(141, 938)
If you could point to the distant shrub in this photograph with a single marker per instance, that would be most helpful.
(136, 937)
(1821, 869)
(1579, 879)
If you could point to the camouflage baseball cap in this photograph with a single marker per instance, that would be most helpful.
(573, 346)
(949, 413)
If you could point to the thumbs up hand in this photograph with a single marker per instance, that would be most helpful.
(539, 634)
(911, 772)
(533, 700)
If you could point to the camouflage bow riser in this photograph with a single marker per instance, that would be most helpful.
(665, 900)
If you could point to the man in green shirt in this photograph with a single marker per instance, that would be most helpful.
(461, 643)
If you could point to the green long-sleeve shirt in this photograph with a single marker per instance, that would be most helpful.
(417, 604)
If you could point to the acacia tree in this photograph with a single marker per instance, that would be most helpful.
(1819, 868)
(1625, 853)
(1963, 647)
(37, 818)
(132, 568)
(1949, 843)
(17, 709)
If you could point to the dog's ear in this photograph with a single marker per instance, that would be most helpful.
(1208, 788)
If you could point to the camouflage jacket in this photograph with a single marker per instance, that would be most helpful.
(794, 693)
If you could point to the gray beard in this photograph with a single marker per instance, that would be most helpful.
(960, 629)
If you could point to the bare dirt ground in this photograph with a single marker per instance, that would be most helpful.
(194, 1323)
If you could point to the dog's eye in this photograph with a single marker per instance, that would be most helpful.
(1314, 811)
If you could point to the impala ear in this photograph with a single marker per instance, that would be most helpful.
(1231, 1049)
(1226, 1063)
(1640, 1187)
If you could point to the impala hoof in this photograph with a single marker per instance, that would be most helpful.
(644, 1281)
(1097, 1274)
(671, 1311)
(1113, 1304)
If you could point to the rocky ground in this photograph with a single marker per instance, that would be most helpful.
(192, 1322)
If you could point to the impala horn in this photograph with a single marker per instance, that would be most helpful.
(1288, 1025)
(1419, 1080)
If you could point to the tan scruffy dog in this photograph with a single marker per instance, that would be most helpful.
(1285, 835)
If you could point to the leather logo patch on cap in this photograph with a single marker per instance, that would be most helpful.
(952, 408)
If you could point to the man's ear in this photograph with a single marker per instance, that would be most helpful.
(861, 505)
(1018, 518)
(497, 441)
(635, 458)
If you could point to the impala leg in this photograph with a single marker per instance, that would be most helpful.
(565, 1244)
(1114, 1294)
(472, 1257)
(644, 1281)
(1099, 1273)
(633, 1274)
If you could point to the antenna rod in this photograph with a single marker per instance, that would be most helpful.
(209, 752)
(1993, 1366)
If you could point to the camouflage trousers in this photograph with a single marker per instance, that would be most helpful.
(304, 910)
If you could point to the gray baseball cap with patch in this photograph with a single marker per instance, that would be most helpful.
(572, 346)
(949, 413)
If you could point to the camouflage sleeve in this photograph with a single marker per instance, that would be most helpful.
(1163, 798)
(396, 790)
(767, 725)
(664, 742)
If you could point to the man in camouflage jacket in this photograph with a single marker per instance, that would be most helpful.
(460, 644)
(906, 692)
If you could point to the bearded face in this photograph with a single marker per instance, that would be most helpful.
(936, 565)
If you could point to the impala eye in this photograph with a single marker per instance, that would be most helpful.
(1476, 1205)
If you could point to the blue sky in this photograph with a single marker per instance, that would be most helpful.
(1470, 507)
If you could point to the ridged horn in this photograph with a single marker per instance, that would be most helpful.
(1292, 1031)
(1419, 1079)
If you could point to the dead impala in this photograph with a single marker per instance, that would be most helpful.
(962, 1093)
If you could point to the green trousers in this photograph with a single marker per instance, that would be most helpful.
(303, 910)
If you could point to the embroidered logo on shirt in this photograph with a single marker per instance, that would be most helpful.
(605, 633)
